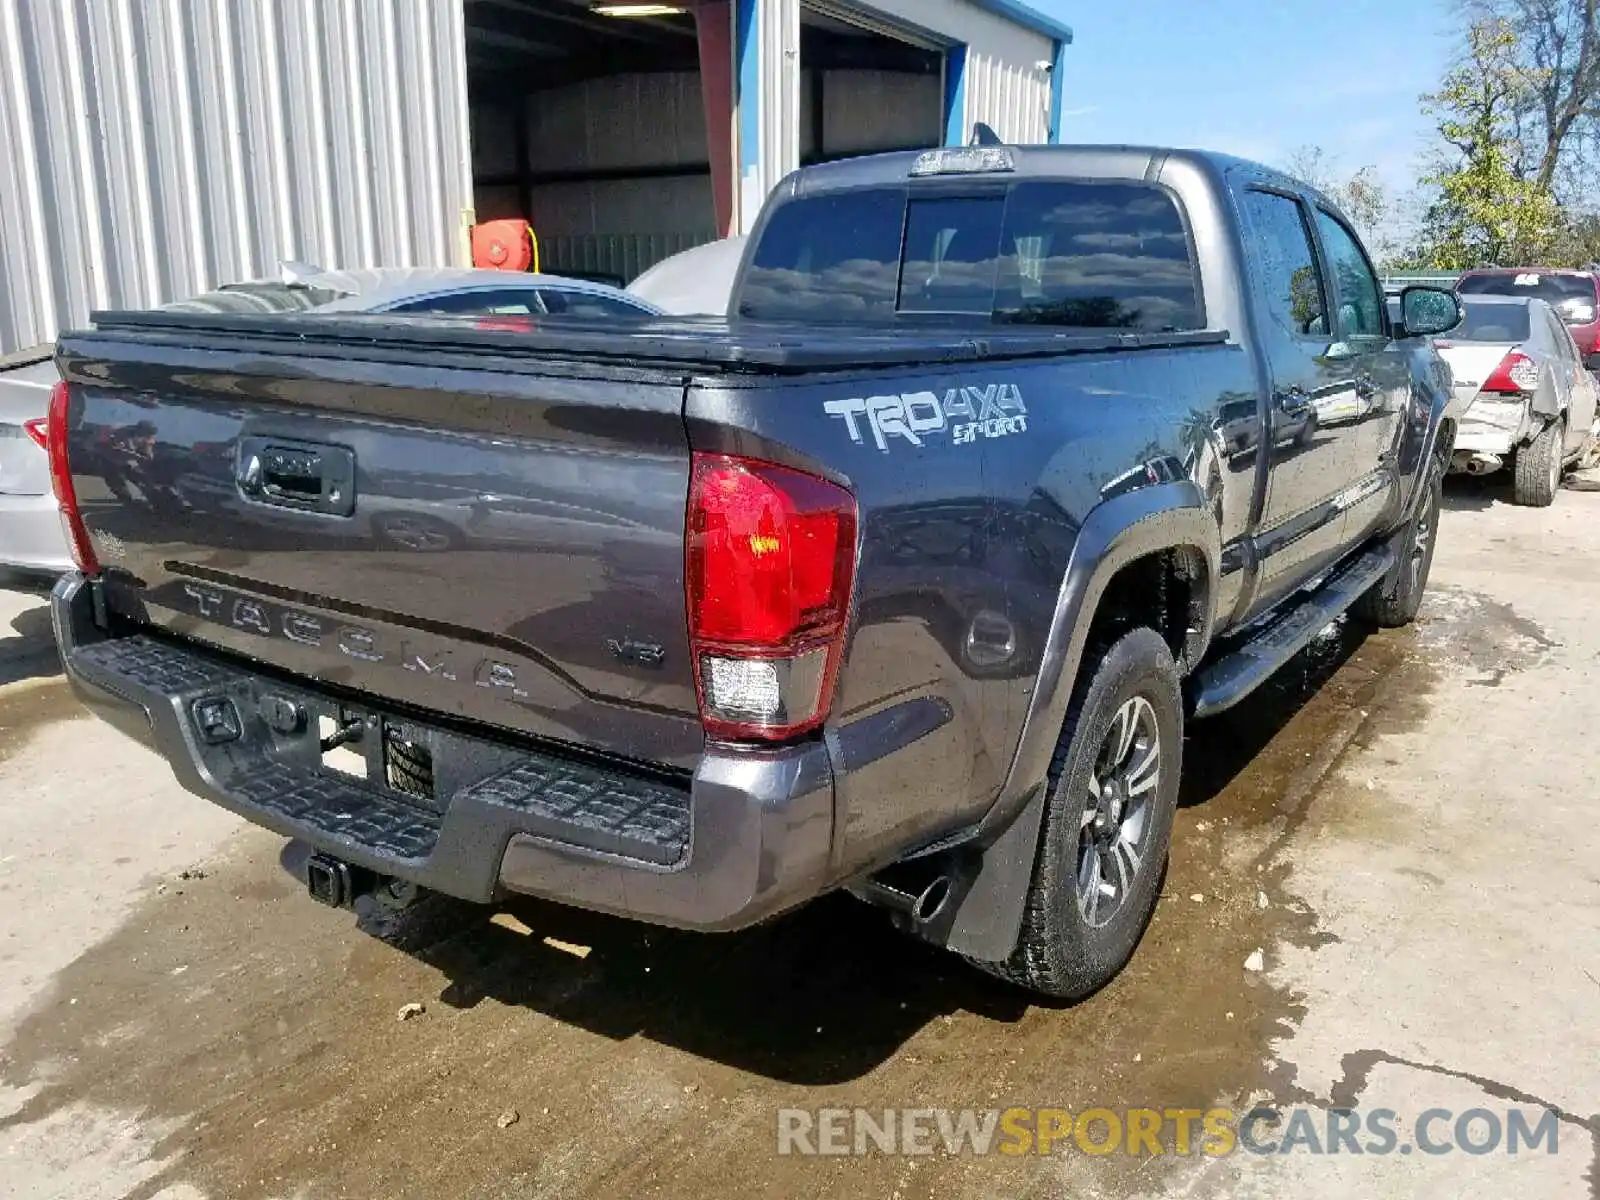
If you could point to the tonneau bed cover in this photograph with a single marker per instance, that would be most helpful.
(696, 343)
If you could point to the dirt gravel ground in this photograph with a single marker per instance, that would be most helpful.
(1403, 825)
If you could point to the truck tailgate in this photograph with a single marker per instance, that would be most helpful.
(496, 545)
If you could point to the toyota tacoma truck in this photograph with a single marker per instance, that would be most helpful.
(904, 578)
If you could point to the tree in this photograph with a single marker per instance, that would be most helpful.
(1577, 241)
(1486, 205)
(1556, 48)
(1362, 196)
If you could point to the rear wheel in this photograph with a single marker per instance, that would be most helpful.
(1395, 599)
(1538, 467)
(1113, 789)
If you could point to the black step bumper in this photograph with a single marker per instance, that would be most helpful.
(746, 837)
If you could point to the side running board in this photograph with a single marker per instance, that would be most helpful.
(1241, 670)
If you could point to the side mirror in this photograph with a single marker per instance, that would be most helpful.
(1428, 312)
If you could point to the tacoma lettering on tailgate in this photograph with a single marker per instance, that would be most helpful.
(412, 652)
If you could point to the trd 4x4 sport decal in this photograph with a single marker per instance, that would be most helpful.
(967, 414)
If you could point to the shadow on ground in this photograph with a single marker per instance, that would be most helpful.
(1475, 493)
(755, 1000)
(30, 653)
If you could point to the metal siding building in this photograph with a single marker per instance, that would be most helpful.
(161, 147)
(158, 148)
(995, 54)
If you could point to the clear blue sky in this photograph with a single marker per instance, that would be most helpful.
(1258, 78)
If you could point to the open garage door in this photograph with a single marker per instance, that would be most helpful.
(867, 85)
(591, 128)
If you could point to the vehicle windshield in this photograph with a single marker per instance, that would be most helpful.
(1491, 323)
(1077, 254)
(1572, 296)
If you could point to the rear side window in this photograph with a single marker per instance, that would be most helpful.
(1286, 266)
(587, 304)
(511, 301)
(1560, 339)
(1360, 314)
(1077, 255)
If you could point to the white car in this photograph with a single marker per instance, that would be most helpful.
(1530, 402)
(30, 527)
(697, 282)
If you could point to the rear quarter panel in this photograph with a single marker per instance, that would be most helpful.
(965, 544)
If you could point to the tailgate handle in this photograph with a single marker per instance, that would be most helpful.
(302, 475)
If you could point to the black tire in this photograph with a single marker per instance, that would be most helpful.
(1393, 602)
(1538, 467)
(410, 769)
(1060, 951)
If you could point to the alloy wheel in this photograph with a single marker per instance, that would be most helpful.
(1116, 813)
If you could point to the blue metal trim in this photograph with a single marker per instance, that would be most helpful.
(747, 80)
(1028, 18)
(1058, 91)
(955, 95)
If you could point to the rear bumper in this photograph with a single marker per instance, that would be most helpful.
(1495, 425)
(748, 836)
(30, 535)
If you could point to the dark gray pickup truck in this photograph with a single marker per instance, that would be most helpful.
(902, 579)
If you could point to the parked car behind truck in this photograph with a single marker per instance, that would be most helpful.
(905, 579)
(31, 541)
(1530, 404)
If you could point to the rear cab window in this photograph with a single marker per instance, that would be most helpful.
(1063, 253)
(1491, 322)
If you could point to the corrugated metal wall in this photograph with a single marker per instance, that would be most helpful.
(1012, 97)
(152, 149)
(864, 112)
(652, 123)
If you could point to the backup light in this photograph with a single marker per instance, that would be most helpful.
(769, 566)
(964, 160)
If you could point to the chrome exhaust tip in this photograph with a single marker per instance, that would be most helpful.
(921, 906)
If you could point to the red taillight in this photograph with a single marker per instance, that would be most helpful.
(61, 482)
(770, 558)
(38, 431)
(1516, 373)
